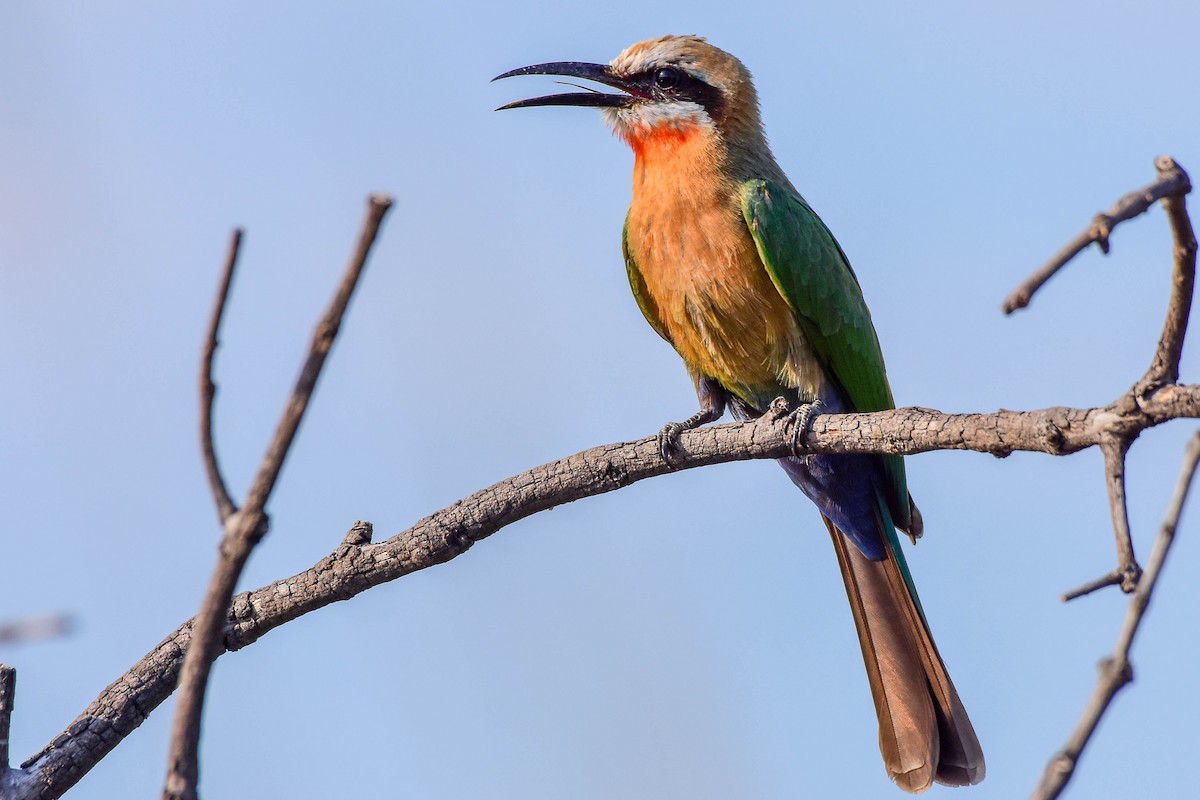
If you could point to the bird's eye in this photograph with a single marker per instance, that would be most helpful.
(666, 78)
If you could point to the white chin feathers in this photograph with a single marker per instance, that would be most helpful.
(677, 115)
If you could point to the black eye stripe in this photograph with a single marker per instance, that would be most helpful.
(672, 83)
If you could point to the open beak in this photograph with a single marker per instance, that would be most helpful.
(601, 73)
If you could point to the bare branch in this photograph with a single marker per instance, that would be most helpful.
(1172, 181)
(322, 342)
(1115, 449)
(245, 528)
(1128, 571)
(357, 565)
(208, 389)
(1116, 671)
(1114, 578)
(8, 691)
(1165, 367)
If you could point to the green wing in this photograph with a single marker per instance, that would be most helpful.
(638, 285)
(813, 275)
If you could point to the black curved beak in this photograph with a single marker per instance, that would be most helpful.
(600, 73)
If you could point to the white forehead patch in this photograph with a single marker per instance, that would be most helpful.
(678, 51)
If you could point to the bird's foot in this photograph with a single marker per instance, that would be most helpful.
(668, 441)
(799, 420)
(668, 437)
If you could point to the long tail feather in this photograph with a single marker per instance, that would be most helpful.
(924, 732)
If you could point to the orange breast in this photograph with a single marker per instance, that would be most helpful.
(702, 270)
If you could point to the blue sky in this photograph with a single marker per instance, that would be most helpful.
(686, 637)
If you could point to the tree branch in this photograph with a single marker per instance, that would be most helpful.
(208, 389)
(1172, 181)
(1165, 367)
(245, 528)
(357, 565)
(1116, 670)
(1128, 571)
(8, 691)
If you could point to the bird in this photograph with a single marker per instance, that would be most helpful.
(732, 267)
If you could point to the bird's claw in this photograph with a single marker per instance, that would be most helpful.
(799, 420)
(668, 441)
(712, 405)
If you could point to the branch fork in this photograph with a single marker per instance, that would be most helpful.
(244, 528)
(1162, 376)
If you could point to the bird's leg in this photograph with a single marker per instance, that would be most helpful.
(713, 399)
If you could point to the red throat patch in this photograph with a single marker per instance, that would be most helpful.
(658, 141)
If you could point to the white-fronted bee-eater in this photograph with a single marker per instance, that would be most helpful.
(733, 268)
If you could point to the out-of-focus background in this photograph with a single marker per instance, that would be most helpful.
(686, 637)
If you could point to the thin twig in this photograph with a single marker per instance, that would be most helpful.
(1116, 671)
(1165, 367)
(8, 692)
(1170, 182)
(208, 389)
(245, 528)
(1114, 578)
(1128, 571)
(322, 342)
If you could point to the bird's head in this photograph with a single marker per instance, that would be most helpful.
(672, 88)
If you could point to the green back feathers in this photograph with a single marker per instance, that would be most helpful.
(813, 275)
